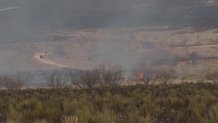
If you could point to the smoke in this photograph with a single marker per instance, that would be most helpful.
(30, 16)
(8, 8)
(116, 52)
(26, 22)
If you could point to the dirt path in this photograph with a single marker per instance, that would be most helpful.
(199, 46)
(41, 57)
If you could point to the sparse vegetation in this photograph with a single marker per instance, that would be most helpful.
(158, 100)
(212, 75)
(56, 79)
(111, 75)
(89, 80)
(192, 103)
(15, 80)
(107, 77)
(79, 34)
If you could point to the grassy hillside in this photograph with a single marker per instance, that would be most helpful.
(193, 103)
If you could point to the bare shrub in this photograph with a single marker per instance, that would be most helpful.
(107, 77)
(15, 80)
(111, 75)
(56, 79)
(1, 80)
(212, 75)
(89, 80)
(165, 75)
(74, 76)
(149, 77)
(186, 79)
(186, 76)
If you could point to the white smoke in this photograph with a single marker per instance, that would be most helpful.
(8, 8)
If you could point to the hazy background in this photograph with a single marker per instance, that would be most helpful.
(30, 22)
(37, 14)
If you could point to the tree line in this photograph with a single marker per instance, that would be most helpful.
(109, 77)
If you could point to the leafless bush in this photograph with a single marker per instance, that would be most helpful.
(111, 75)
(107, 77)
(1, 80)
(15, 80)
(165, 75)
(74, 76)
(186, 79)
(149, 79)
(89, 80)
(56, 79)
(186, 76)
(212, 75)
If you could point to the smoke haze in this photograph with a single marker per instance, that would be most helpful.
(25, 24)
